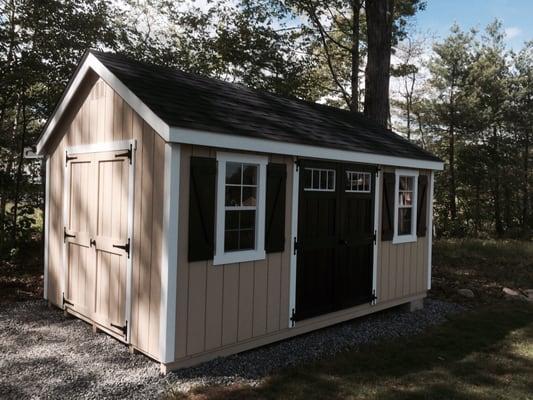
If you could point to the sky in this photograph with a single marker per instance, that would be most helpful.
(516, 15)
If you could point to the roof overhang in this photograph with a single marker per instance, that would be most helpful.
(213, 139)
(88, 63)
(236, 142)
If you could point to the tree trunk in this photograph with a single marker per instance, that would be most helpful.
(452, 185)
(18, 178)
(356, 9)
(525, 188)
(379, 16)
(496, 189)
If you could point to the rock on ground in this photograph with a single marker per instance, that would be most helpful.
(45, 355)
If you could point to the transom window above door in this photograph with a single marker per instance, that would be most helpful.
(405, 206)
(358, 182)
(240, 212)
(319, 180)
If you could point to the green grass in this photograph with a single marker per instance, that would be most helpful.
(484, 353)
(484, 266)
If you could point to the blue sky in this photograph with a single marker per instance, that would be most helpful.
(516, 15)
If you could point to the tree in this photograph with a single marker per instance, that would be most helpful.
(488, 85)
(40, 44)
(450, 68)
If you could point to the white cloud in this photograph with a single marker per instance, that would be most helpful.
(512, 32)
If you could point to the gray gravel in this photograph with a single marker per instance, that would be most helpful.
(46, 355)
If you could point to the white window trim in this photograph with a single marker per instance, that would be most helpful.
(397, 239)
(320, 170)
(259, 253)
(369, 174)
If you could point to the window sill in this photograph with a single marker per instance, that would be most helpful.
(238, 257)
(404, 239)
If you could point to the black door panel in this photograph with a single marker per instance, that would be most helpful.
(335, 238)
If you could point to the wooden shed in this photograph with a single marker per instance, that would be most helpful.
(192, 218)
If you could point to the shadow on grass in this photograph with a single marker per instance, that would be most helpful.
(481, 354)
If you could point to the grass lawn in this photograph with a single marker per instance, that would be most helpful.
(484, 353)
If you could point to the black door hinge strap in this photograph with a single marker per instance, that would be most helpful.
(128, 153)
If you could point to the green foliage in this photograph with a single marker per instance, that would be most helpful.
(476, 115)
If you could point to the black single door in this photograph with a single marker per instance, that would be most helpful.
(353, 273)
(335, 237)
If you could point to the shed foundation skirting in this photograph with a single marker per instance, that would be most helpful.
(300, 328)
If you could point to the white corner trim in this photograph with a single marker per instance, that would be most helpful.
(169, 253)
(398, 239)
(46, 225)
(377, 236)
(92, 63)
(222, 257)
(293, 238)
(226, 141)
(430, 227)
(131, 199)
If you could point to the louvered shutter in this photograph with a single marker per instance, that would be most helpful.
(202, 194)
(387, 209)
(421, 216)
(275, 208)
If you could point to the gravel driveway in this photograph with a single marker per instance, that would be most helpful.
(46, 355)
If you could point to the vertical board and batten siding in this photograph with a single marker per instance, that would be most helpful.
(227, 308)
(101, 115)
(224, 305)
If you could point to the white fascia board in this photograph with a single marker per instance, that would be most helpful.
(92, 63)
(226, 141)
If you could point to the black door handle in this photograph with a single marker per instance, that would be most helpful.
(92, 242)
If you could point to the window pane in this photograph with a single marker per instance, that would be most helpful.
(233, 196)
(231, 241)
(247, 239)
(316, 179)
(249, 196)
(232, 220)
(404, 221)
(406, 198)
(233, 173)
(406, 183)
(249, 175)
(247, 219)
(331, 180)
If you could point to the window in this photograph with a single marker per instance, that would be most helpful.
(319, 180)
(405, 206)
(358, 182)
(241, 187)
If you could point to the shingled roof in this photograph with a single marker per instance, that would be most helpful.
(192, 101)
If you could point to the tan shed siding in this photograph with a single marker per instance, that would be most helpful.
(227, 304)
(402, 268)
(101, 115)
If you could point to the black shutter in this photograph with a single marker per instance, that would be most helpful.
(202, 194)
(422, 205)
(387, 209)
(275, 208)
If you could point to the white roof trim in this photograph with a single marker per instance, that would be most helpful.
(92, 63)
(225, 141)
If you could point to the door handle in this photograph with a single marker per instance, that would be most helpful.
(92, 242)
(344, 242)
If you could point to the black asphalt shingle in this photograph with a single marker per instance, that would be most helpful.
(196, 102)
